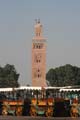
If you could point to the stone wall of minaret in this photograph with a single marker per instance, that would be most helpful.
(38, 56)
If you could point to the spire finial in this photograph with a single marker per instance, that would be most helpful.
(38, 20)
(38, 27)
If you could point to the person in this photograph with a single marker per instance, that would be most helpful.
(26, 107)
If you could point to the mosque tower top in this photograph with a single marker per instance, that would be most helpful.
(38, 28)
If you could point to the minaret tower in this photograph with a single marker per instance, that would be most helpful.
(38, 57)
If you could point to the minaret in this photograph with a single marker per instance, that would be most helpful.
(38, 57)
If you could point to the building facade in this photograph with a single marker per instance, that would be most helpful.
(38, 56)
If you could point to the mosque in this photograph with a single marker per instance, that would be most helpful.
(38, 56)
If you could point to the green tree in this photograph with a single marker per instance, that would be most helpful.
(8, 76)
(64, 76)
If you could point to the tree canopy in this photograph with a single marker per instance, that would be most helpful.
(8, 76)
(64, 76)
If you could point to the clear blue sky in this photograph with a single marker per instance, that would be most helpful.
(61, 22)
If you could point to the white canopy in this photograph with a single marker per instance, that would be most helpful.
(66, 90)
